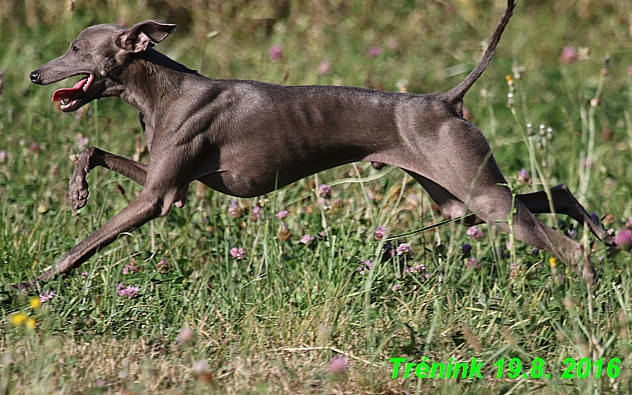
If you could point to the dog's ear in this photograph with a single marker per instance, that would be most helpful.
(143, 35)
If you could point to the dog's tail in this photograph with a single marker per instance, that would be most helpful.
(455, 95)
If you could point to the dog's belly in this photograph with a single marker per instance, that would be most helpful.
(258, 176)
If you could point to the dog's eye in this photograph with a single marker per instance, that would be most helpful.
(75, 48)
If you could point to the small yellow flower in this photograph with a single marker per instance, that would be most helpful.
(18, 319)
(509, 80)
(30, 323)
(552, 262)
(35, 303)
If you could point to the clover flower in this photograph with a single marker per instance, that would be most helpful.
(365, 266)
(255, 214)
(275, 52)
(238, 253)
(404, 249)
(129, 291)
(523, 177)
(282, 214)
(338, 365)
(234, 210)
(474, 233)
(624, 239)
(307, 239)
(46, 296)
(325, 191)
(380, 231)
(374, 52)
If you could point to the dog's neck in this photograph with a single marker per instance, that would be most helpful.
(151, 80)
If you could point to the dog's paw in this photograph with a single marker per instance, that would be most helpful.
(78, 191)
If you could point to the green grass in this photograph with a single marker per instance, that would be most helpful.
(272, 322)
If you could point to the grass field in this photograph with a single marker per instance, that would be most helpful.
(230, 296)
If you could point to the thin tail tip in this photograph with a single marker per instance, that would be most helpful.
(456, 94)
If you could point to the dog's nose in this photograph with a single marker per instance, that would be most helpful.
(35, 76)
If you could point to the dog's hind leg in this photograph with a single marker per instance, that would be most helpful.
(565, 203)
(468, 173)
(537, 202)
(449, 205)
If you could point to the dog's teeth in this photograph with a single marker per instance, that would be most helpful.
(64, 102)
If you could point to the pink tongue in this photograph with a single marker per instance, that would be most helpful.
(70, 93)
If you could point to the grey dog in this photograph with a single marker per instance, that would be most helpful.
(247, 138)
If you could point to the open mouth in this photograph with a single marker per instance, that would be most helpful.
(70, 98)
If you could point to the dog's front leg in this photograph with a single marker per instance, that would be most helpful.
(144, 208)
(92, 157)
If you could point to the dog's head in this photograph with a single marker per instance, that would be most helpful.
(98, 55)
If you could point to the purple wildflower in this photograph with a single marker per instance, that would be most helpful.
(282, 214)
(415, 268)
(307, 239)
(234, 210)
(34, 147)
(238, 253)
(256, 213)
(380, 231)
(365, 266)
(568, 55)
(325, 191)
(186, 335)
(404, 249)
(3, 156)
(374, 52)
(275, 53)
(129, 269)
(474, 233)
(514, 269)
(523, 177)
(338, 365)
(129, 291)
(200, 367)
(82, 140)
(323, 67)
(624, 239)
(84, 274)
(46, 296)
(396, 287)
(473, 262)
(466, 248)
